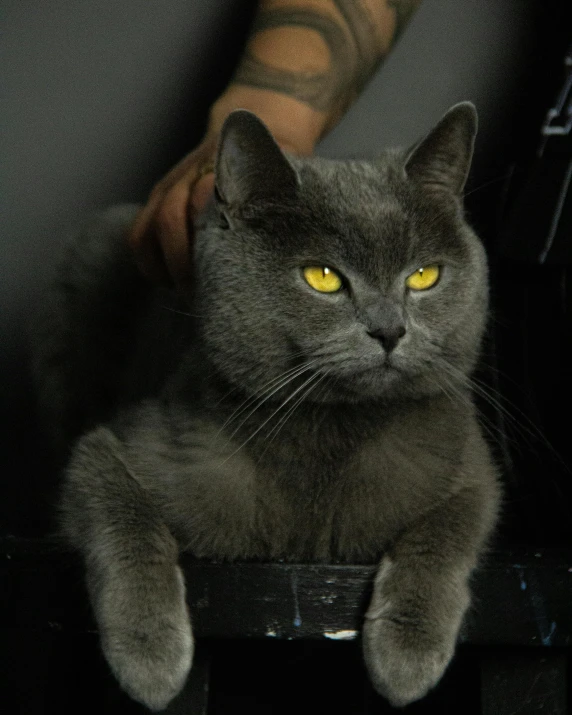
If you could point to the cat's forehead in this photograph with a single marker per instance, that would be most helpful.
(369, 213)
(353, 194)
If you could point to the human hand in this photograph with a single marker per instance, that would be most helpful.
(298, 77)
(161, 236)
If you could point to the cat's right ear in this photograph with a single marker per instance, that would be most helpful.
(442, 160)
(250, 167)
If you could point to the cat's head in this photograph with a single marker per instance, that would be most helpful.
(360, 279)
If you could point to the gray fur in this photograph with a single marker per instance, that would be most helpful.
(271, 423)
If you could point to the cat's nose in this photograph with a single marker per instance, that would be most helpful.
(388, 336)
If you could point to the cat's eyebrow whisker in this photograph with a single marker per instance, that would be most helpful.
(257, 430)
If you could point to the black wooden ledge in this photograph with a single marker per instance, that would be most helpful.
(521, 596)
(519, 634)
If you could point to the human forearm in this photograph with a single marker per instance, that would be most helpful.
(306, 61)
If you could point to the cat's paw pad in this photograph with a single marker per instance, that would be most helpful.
(152, 661)
(402, 661)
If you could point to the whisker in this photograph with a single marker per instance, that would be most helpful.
(485, 392)
(526, 430)
(259, 371)
(529, 429)
(180, 312)
(257, 430)
(276, 429)
(454, 393)
(489, 427)
(488, 183)
(265, 395)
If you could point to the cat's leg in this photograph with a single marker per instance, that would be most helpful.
(421, 594)
(135, 585)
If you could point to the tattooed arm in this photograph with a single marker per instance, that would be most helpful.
(321, 53)
(305, 62)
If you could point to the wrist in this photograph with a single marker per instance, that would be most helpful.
(296, 126)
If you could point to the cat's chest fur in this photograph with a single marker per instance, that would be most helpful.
(327, 486)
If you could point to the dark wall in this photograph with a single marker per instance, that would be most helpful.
(102, 97)
(99, 100)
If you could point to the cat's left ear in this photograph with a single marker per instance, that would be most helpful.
(250, 166)
(442, 160)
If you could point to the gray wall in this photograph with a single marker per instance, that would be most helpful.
(98, 96)
(453, 50)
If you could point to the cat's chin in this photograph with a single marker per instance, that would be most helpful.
(381, 383)
(386, 383)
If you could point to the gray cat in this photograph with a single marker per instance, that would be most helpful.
(314, 405)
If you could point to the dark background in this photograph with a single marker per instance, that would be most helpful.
(103, 97)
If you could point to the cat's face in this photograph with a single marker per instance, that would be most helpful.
(351, 280)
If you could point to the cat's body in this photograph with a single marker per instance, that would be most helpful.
(321, 490)
(280, 420)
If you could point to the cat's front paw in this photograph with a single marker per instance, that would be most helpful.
(403, 661)
(149, 646)
(411, 629)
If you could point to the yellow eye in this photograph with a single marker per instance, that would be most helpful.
(423, 278)
(322, 279)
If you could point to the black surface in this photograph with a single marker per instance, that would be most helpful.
(521, 682)
(521, 596)
(263, 644)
